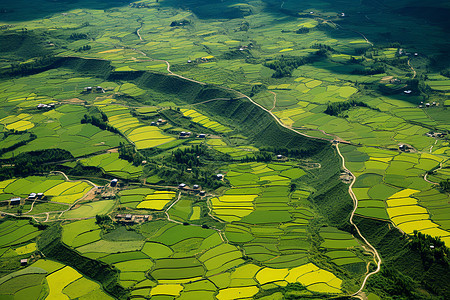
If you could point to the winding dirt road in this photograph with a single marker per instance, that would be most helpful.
(412, 69)
(374, 251)
(274, 100)
(377, 258)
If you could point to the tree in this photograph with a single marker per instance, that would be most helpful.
(293, 187)
(445, 185)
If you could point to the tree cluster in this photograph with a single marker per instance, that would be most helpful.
(189, 156)
(78, 36)
(302, 30)
(284, 66)
(394, 283)
(446, 73)
(38, 65)
(370, 71)
(99, 122)
(445, 185)
(105, 223)
(321, 46)
(180, 23)
(129, 153)
(84, 48)
(336, 108)
(101, 219)
(32, 162)
(244, 26)
(261, 156)
(432, 249)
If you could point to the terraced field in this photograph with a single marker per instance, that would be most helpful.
(146, 198)
(62, 281)
(59, 128)
(139, 134)
(17, 233)
(54, 188)
(204, 120)
(387, 184)
(111, 164)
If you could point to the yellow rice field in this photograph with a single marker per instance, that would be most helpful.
(58, 280)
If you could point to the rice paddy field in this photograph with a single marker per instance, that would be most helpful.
(237, 152)
(111, 164)
(204, 120)
(54, 188)
(264, 221)
(388, 184)
(16, 237)
(59, 128)
(140, 135)
(271, 228)
(60, 282)
(143, 198)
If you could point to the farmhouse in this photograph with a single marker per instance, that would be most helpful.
(32, 196)
(202, 193)
(114, 182)
(435, 134)
(346, 177)
(128, 218)
(219, 176)
(201, 136)
(42, 106)
(99, 190)
(404, 148)
(15, 201)
(182, 186)
(23, 262)
(185, 134)
(40, 196)
(131, 219)
(90, 89)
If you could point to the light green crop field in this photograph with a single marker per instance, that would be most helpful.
(53, 187)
